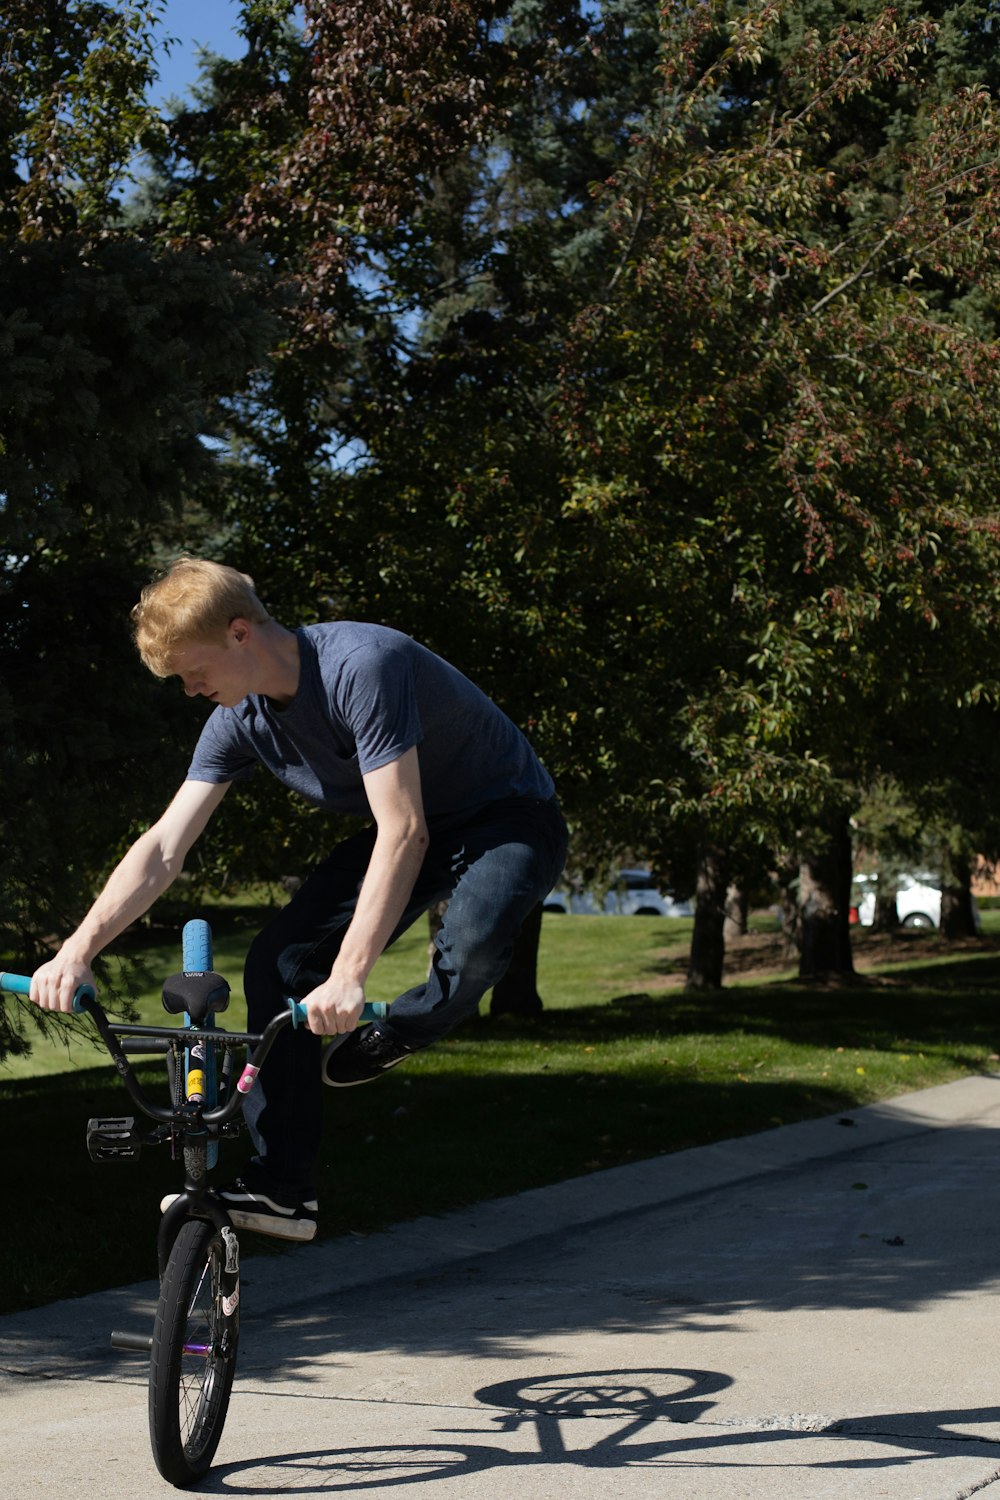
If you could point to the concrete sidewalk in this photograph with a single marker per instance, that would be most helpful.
(805, 1313)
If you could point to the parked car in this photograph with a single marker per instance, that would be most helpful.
(563, 900)
(634, 894)
(918, 900)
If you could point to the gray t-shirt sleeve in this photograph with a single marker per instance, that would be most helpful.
(221, 754)
(378, 698)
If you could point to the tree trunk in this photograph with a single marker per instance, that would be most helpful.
(886, 917)
(708, 945)
(517, 992)
(737, 910)
(791, 914)
(824, 905)
(957, 915)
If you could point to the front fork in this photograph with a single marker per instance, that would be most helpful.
(199, 1202)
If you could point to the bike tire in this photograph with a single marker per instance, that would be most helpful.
(193, 1356)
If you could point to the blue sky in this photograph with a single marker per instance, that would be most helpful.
(209, 23)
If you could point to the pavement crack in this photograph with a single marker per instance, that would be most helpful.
(938, 1439)
(977, 1489)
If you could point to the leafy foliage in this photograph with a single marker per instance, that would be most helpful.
(772, 411)
(638, 362)
(73, 111)
(115, 352)
(641, 359)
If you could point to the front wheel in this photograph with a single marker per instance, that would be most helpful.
(193, 1358)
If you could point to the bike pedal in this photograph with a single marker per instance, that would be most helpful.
(113, 1138)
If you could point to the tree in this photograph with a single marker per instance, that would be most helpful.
(710, 529)
(939, 819)
(73, 111)
(115, 352)
(771, 409)
(433, 210)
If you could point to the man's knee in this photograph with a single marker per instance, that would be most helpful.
(469, 964)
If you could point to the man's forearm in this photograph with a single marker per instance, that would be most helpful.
(388, 884)
(154, 860)
(143, 874)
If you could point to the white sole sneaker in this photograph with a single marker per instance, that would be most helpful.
(274, 1219)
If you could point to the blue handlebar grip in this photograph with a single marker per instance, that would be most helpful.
(20, 984)
(15, 984)
(85, 992)
(375, 1010)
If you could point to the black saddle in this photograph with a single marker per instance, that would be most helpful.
(198, 994)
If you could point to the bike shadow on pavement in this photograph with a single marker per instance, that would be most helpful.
(613, 1419)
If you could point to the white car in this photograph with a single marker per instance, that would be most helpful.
(635, 895)
(918, 900)
(566, 901)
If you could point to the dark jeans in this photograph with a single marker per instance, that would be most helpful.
(492, 866)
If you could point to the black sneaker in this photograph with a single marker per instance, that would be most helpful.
(250, 1208)
(361, 1056)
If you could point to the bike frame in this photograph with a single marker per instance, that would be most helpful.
(189, 1121)
(187, 1410)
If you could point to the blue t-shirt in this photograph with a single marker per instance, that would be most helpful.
(366, 695)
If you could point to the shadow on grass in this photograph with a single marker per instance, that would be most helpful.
(906, 956)
(949, 971)
(500, 1107)
(412, 1146)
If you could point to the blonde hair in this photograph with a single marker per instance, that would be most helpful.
(194, 601)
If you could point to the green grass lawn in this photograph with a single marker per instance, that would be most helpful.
(619, 1067)
(583, 961)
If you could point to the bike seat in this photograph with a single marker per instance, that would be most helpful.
(198, 994)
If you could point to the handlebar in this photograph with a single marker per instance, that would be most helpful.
(20, 984)
(85, 1000)
(261, 1043)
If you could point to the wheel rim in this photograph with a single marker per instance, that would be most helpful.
(203, 1357)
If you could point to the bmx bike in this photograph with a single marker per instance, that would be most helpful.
(193, 1346)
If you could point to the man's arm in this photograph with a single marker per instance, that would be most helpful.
(395, 799)
(152, 863)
